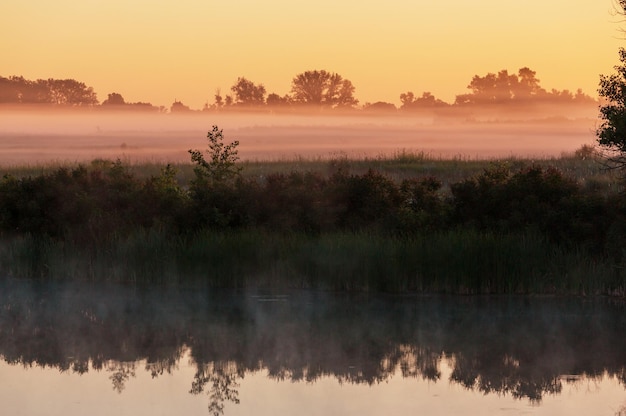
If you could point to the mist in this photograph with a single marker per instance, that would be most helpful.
(33, 136)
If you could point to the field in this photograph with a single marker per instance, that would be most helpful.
(31, 137)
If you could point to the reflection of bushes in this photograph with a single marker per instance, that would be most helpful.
(222, 380)
(517, 346)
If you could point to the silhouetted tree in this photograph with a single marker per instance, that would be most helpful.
(179, 107)
(407, 98)
(219, 101)
(114, 99)
(222, 163)
(322, 88)
(427, 100)
(71, 92)
(502, 87)
(612, 131)
(527, 86)
(10, 91)
(19, 90)
(247, 93)
(275, 100)
(379, 106)
(52, 91)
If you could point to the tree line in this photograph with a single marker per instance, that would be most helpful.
(310, 89)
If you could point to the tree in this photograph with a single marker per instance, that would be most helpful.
(222, 163)
(407, 98)
(379, 106)
(247, 93)
(71, 92)
(275, 100)
(114, 99)
(219, 101)
(322, 88)
(179, 107)
(427, 100)
(612, 131)
(502, 88)
(527, 85)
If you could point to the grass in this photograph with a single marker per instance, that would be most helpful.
(459, 261)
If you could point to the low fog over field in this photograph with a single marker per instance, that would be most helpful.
(40, 137)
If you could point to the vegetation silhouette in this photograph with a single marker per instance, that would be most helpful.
(612, 131)
(310, 89)
(324, 89)
(246, 93)
(523, 88)
(61, 92)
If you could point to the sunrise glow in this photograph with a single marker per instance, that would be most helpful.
(162, 50)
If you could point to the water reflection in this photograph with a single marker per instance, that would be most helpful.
(519, 346)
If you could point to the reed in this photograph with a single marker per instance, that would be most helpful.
(457, 261)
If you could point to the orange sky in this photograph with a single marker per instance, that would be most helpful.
(161, 50)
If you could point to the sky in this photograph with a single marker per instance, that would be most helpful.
(159, 51)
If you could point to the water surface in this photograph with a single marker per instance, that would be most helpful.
(74, 350)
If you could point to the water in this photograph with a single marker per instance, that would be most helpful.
(75, 350)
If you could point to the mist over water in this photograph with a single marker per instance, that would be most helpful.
(30, 136)
(515, 351)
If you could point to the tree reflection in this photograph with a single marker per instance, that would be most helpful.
(120, 374)
(222, 381)
(502, 376)
(521, 347)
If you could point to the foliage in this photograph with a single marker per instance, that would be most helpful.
(532, 198)
(222, 163)
(322, 88)
(455, 261)
(114, 99)
(427, 100)
(179, 107)
(68, 92)
(612, 131)
(247, 93)
(520, 88)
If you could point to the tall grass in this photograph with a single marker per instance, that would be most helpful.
(457, 261)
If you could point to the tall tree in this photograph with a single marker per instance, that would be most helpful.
(19, 90)
(427, 100)
(114, 99)
(612, 131)
(71, 92)
(322, 88)
(503, 87)
(248, 93)
(179, 107)
(275, 100)
(527, 85)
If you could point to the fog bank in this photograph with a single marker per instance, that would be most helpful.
(30, 137)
